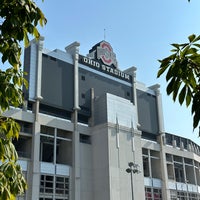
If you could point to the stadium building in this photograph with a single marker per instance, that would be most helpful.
(90, 131)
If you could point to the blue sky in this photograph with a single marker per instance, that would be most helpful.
(140, 32)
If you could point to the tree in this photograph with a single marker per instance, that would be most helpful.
(18, 20)
(182, 69)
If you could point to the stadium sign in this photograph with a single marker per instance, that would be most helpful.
(101, 57)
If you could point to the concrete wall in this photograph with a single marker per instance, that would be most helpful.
(86, 172)
(101, 184)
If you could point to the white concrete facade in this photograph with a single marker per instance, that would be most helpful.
(71, 160)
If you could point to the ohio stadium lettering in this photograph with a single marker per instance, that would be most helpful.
(104, 68)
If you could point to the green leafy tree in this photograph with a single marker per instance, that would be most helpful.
(182, 69)
(18, 20)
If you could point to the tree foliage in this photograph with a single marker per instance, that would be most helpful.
(182, 69)
(18, 20)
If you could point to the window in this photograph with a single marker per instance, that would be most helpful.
(169, 157)
(85, 139)
(190, 174)
(23, 146)
(83, 96)
(179, 173)
(192, 196)
(177, 139)
(59, 187)
(62, 185)
(151, 161)
(83, 78)
(188, 161)
(146, 166)
(184, 141)
(155, 164)
(169, 139)
(153, 193)
(182, 195)
(64, 134)
(173, 195)
(178, 159)
(157, 194)
(47, 148)
(145, 151)
(55, 145)
(25, 127)
(47, 130)
(145, 157)
(148, 194)
(46, 184)
(170, 171)
(63, 151)
(197, 172)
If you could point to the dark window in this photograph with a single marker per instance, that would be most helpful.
(62, 185)
(145, 151)
(179, 173)
(149, 136)
(23, 146)
(83, 118)
(47, 130)
(49, 184)
(146, 166)
(184, 141)
(83, 96)
(83, 78)
(85, 139)
(188, 161)
(170, 171)
(169, 139)
(46, 184)
(178, 159)
(168, 157)
(25, 127)
(46, 149)
(52, 58)
(177, 139)
(49, 110)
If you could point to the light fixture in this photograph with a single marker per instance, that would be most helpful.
(133, 169)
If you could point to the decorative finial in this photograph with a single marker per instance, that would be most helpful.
(104, 34)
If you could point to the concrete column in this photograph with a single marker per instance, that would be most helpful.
(138, 178)
(159, 107)
(73, 49)
(39, 67)
(163, 165)
(35, 183)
